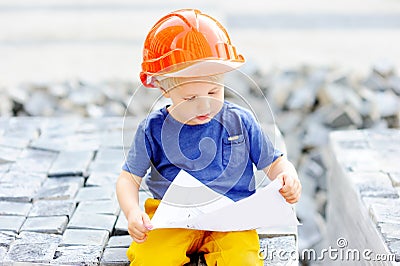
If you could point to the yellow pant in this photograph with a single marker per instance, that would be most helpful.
(165, 247)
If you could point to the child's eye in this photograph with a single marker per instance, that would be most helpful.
(189, 98)
(211, 92)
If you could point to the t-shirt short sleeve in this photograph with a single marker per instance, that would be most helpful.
(262, 151)
(138, 159)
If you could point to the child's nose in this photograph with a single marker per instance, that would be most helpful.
(203, 105)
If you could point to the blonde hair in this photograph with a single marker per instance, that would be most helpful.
(172, 82)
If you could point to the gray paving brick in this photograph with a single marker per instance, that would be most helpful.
(50, 224)
(85, 237)
(35, 237)
(385, 213)
(123, 241)
(14, 142)
(32, 160)
(11, 223)
(106, 167)
(95, 193)
(65, 180)
(4, 167)
(71, 163)
(61, 192)
(373, 184)
(394, 247)
(52, 208)
(6, 238)
(114, 256)
(36, 252)
(102, 179)
(110, 155)
(92, 221)
(3, 252)
(277, 243)
(389, 230)
(14, 208)
(99, 206)
(114, 139)
(23, 127)
(18, 192)
(8, 154)
(121, 226)
(78, 255)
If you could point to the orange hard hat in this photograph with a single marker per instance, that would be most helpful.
(187, 43)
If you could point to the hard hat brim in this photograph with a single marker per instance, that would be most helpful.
(200, 68)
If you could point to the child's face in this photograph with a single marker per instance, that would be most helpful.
(195, 101)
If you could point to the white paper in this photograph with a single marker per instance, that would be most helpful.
(188, 203)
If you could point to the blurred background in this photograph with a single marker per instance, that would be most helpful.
(323, 65)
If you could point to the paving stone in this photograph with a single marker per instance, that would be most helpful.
(95, 193)
(14, 192)
(8, 154)
(71, 163)
(14, 208)
(99, 206)
(6, 238)
(114, 256)
(102, 179)
(122, 241)
(3, 252)
(14, 142)
(32, 160)
(78, 255)
(5, 167)
(11, 223)
(385, 213)
(389, 230)
(106, 167)
(64, 180)
(36, 252)
(110, 155)
(45, 208)
(92, 221)
(20, 187)
(85, 237)
(50, 224)
(62, 192)
(23, 127)
(114, 139)
(277, 243)
(373, 184)
(121, 226)
(35, 237)
(394, 248)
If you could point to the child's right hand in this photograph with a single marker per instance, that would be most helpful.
(139, 225)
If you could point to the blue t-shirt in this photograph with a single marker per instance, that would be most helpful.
(220, 153)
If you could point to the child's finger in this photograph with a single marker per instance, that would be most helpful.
(146, 221)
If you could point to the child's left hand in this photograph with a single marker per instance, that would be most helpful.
(291, 187)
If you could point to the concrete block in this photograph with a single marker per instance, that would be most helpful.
(78, 255)
(24, 252)
(14, 208)
(95, 193)
(45, 208)
(114, 256)
(92, 221)
(123, 241)
(99, 206)
(71, 163)
(50, 224)
(76, 237)
(11, 223)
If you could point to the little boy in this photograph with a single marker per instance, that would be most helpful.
(217, 142)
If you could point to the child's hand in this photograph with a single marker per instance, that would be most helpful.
(291, 188)
(138, 225)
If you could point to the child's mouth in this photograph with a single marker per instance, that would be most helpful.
(203, 117)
